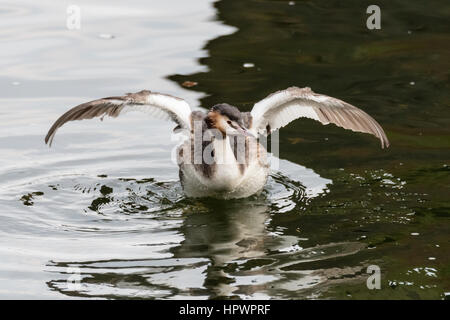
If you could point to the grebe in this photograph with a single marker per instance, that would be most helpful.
(221, 156)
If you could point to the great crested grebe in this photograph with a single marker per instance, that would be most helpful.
(222, 156)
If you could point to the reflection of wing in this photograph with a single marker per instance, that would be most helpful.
(282, 107)
(159, 105)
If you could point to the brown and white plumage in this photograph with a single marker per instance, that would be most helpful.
(231, 178)
(158, 105)
(282, 107)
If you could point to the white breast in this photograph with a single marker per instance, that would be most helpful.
(227, 180)
(226, 173)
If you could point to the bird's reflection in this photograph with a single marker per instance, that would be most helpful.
(225, 234)
(227, 248)
(217, 235)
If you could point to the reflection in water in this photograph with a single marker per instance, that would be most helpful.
(227, 247)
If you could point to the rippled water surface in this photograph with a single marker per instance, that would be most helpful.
(102, 214)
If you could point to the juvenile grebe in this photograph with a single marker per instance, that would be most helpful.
(222, 156)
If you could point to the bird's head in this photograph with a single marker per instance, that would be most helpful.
(227, 119)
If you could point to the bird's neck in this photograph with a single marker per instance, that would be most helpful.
(211, 122)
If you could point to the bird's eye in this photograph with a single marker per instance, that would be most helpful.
(229, 122)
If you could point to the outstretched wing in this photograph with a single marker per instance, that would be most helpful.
(158, 105)
(282, 107)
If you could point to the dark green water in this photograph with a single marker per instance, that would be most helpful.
(399, 75)
(105, 203)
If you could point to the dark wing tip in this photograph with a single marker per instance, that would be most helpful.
(384, 141)
(50, 135)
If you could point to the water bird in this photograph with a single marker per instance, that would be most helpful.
(222, 156)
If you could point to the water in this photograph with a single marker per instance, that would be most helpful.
(102, 215)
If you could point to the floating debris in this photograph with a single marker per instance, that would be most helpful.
(248, 65)
(297, 140)
(292, 3)
(106, 36)
(431, 258)
(412, 83)
(189, 84)
(415, 233)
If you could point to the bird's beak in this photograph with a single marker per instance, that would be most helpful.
(244, 131)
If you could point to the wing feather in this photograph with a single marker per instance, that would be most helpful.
(158, 105)
(282, 107)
